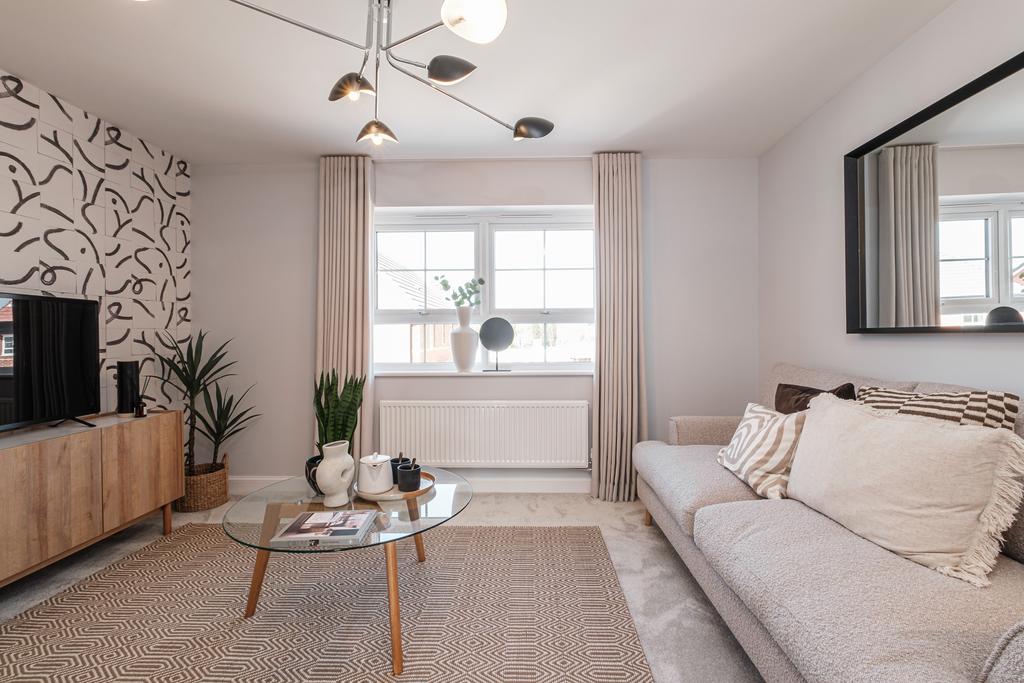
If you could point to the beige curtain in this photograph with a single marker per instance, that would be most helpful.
(620, 405)
(908, 241)
(343, 272)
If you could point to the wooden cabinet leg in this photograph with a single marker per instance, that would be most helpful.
(391, 559)
(167, 519)
(648, 520)
(258, 572)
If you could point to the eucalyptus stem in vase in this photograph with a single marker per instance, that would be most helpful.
(465, 341)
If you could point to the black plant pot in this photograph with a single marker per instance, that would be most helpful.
(311, 465)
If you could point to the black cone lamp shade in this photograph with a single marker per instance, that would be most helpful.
(448, 70)
(351, 85)
(532, 127)
(376, 132)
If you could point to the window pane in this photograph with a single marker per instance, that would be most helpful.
(527, 346)
(394, 343)
(569, 249)
(518, 249)
(1017, 236)
(962, 319)
(1017, 274)
(962, 239)
(450, 250)
(569, 289)
(400, 251)
(519, 289)
(436, 295)
(570, 343)
(437, 345)
(963, 279)
(400, 290)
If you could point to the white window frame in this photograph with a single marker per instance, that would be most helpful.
(999, 210)
(3, 346)
(483, 221)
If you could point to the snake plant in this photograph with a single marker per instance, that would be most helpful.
(337, 411)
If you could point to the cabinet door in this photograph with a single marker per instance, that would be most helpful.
(51, 499)
(142, 467)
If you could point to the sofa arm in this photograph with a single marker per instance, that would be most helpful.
(1006, 662)
(703, 430)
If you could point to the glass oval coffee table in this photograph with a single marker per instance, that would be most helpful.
(255, 519)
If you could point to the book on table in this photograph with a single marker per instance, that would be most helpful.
(322, 529)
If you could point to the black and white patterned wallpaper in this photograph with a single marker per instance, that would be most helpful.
(89, 210)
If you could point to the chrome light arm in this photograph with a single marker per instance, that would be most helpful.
(464, 103)
(302, 25)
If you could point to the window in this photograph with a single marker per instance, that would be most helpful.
(538, 265)
(8, 345)
(981, 258)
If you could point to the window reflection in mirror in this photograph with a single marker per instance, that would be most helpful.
(942, 216)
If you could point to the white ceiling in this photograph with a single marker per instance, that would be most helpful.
(215, 82)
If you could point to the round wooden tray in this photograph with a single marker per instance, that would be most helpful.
(426, 483)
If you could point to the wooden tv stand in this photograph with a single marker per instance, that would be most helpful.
(64, 488)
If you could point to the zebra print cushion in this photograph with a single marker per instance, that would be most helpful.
(996, 409)
(761, 450)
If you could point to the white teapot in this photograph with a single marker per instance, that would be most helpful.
(375, 474)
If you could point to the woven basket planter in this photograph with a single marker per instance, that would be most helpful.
(206, 489)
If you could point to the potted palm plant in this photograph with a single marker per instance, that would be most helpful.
(337, 415)
(188, 370)
(223, 418)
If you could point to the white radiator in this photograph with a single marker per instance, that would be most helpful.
(487, 433)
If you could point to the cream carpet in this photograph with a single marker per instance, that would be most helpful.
(489, 604)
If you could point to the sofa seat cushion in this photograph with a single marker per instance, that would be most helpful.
(686, 478)
(844, 609)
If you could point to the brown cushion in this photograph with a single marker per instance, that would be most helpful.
(792, 398)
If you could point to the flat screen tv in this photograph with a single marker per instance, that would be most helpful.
(49, 359)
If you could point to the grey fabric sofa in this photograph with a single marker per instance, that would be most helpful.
(809, 600)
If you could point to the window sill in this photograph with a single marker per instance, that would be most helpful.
(480, 374)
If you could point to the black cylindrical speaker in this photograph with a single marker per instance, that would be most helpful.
(127, 386)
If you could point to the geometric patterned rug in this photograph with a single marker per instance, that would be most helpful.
(501, 604)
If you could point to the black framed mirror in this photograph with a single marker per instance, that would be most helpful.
(935, 215)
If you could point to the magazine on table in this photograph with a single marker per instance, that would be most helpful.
(315, 529)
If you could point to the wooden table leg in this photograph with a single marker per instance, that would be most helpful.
(271, 518)
(648, 520)
(256, 585)
(414, 514)
(391, 559)
(167, 519)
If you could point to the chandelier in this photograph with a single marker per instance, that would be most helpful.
(478, 21)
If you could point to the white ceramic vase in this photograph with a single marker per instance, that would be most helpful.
(334, 475)
(465, 341)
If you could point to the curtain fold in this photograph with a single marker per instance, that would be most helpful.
(908, 242)
(620, 404)
(343, 273)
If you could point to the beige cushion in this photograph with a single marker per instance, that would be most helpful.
(935, 492)
(761, 451)
(844, 609)
(686, 478)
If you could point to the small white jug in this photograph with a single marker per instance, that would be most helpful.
(375, 474)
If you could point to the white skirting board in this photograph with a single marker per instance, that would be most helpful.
(483, 480)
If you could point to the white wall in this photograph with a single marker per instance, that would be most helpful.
(255, 276)
(802, 291)
(981, 170)
(256, 265)
(700, 282)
